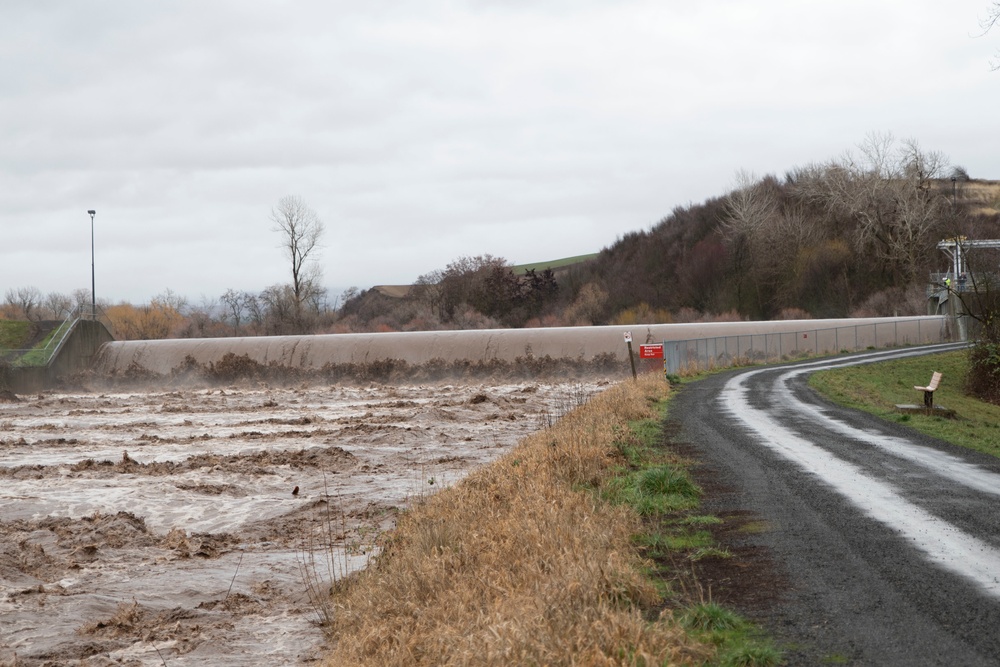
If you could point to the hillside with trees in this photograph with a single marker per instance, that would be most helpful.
(854, 236)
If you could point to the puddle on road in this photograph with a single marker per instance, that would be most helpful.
(138, 528)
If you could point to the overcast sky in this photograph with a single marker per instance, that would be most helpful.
(424, 131)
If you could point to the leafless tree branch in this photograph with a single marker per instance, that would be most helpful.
(301, 231)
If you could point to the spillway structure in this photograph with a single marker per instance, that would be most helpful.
(582, 344)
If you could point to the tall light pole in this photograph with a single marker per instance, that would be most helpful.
(93, 281)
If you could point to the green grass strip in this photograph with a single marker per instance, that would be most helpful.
(739, 642)
(877, 388)
(660, 488)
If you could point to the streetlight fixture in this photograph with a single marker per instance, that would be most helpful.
(93, 282)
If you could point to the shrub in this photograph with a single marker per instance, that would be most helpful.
(983, 379)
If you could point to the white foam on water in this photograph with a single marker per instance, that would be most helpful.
(403, 438)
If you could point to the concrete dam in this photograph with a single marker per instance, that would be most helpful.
(730, 340)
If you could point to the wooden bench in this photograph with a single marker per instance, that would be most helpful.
(929, 390)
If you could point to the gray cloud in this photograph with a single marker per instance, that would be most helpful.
(425, 131)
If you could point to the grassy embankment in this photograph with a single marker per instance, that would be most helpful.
(16, 334)
(543, 558)
(13, 334)
(878, 388)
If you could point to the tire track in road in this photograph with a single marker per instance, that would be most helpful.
(883, 545)
(946, 465)
(940, 541)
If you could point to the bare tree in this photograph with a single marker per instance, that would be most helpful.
(171, 300)
(255, 312)
(301, 231)
(887, 192)
(277, 304)
(235, 304)
(348, 294)
(766, 234)
(200, 319)
(59, 305)
(988, 22)
(977, 291)
(81, 298)
(992, 16)
(26, 301)
(317, 299)
(428, 291)
(749, 207)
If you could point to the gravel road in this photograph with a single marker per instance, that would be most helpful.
(873, 545)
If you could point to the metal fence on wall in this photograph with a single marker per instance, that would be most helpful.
(725, 351)
(42, 354)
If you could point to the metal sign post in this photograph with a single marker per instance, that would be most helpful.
(631, 359)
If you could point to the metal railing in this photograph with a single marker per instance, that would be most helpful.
(725, 351)
(96, 314)
(42, 355)
(967, 282)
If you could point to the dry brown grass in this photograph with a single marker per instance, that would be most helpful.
(518, 563)
(982, 197)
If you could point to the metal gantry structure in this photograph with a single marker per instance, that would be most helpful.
(956, 249)
(958, 281)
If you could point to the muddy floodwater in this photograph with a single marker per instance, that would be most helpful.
(171, 527)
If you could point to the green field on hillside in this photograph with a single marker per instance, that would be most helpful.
(402, 291)
(878, 388)
(554, 264)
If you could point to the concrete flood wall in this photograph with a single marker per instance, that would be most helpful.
(577, 343)
(811, 338)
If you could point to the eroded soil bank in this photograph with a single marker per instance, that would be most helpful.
(147, 527)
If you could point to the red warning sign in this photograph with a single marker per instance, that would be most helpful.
(651, 351)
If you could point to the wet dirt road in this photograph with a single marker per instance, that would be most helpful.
(883, 545)
(150, 527)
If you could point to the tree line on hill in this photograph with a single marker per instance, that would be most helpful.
(271, 312)
(854, 236)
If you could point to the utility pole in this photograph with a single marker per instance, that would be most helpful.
(93, 279)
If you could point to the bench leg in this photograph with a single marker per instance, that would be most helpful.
(929, 399)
